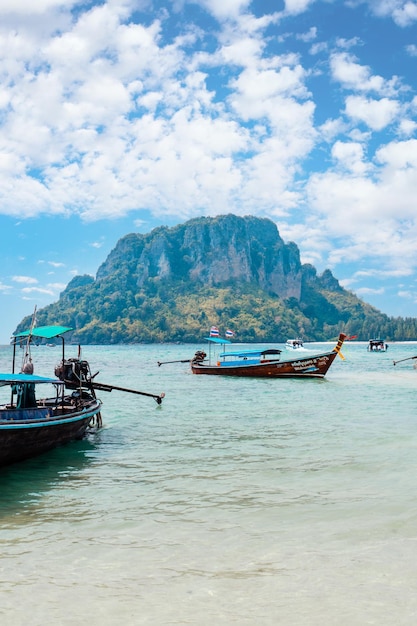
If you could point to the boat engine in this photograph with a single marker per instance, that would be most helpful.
(199, 356)
(74, 373)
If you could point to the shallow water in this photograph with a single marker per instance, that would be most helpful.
(238, 501)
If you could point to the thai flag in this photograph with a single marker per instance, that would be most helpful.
(214, 331)
(229, 334)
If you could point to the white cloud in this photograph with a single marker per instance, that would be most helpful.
(223, 9)
(256, 88)
(406, 294)
(317, 48)
(347, 44)
(38, 290)
(412, 50)
(377, 114)
(350, 156)
(308, 36)
(28, 280)
(332, 128)
(294, 7)
(27, 7)
(352, 75)
(366, 291)
(374, 273)
(403, 12)
(407, 127)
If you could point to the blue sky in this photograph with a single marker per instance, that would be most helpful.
(123, 115)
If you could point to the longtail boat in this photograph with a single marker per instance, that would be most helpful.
(31, 425)
(265, 363)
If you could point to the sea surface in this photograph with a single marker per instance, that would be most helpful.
(236, 502)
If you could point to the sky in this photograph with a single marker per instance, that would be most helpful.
(123, 115)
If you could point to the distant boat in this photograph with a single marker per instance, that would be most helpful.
(377, 345)
(265, 363)
(31, 425)
(294, 344)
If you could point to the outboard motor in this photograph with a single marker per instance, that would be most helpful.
(74, 373)
(199, 356)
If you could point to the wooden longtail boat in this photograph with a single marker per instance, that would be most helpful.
(265, 363)
(31, 425)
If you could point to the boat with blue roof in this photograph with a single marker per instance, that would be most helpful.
(39, 413)
(263, 362)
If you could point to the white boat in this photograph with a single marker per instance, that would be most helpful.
(294, 344)
(377, 345)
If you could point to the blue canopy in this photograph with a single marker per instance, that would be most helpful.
(44, 332)
(14, 379)
(219, 340)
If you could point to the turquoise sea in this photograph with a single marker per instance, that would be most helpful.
(238, 501)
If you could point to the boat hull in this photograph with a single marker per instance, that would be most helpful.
(309, 367)
(25, 438)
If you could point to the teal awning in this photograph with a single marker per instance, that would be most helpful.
(217, 340)
(14, 379)
(44, 332)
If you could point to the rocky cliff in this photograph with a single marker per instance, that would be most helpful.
(211, 251)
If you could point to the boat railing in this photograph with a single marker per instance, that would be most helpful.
(244, 361)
